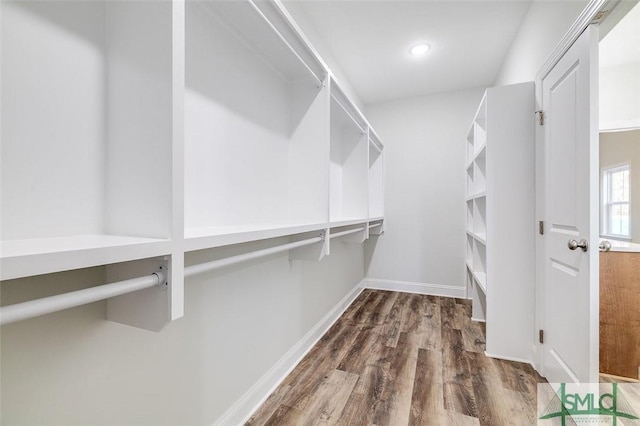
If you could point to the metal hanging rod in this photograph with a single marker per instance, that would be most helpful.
(376, 225)
(227, 261)
(343, 233)
(60, 302)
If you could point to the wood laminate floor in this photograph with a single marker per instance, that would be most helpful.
(403, 359)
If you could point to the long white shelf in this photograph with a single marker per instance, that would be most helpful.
(479, 277)
(348, 222)
(477, 195)
(480, 237)
(21, 258)
(211, 237)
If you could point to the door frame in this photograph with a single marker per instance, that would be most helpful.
(596, 12)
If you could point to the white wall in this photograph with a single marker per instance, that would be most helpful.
(75, 368)
(624, 147)
(543, 28)
(620, 96)
(424, 189)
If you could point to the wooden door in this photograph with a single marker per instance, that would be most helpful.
(620, 314)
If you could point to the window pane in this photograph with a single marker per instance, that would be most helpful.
(624, 219)
(614, 220)
(625, 178)
(619, 219)
(617, 186)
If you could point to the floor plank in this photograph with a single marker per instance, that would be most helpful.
(403, 359)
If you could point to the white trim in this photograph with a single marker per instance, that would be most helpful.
(586, 18)
(247, 404)
(413, 287)
(508, 358)
(620, 126)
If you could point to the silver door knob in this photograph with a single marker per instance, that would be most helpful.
(605, 246)
(583, 244)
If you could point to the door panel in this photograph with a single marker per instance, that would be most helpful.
(570, 195)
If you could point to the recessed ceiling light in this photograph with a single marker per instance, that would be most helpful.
(420, 49)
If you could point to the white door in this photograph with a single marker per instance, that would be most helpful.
(570, 240)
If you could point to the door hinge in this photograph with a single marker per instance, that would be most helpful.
(541, 227)
(540, 115)
(541, 336)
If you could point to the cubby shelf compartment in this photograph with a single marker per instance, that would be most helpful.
(376, 175)
(481, 279)
(86, 166)
(256, 112)
(349, 165)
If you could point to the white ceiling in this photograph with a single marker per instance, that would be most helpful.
(622, 45)
(370, 40)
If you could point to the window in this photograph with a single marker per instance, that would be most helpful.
(615, 192)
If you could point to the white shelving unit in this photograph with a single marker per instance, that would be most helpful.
(349, 165)
(86, 134)
(255, 125)
(500, 222)
(134, 132)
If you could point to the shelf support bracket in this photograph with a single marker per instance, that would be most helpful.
(148, 309)
(313, 252)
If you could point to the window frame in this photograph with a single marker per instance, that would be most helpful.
(606, 204)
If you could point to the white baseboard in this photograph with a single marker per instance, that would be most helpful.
(419, 288)
(248, 403)
(508, 358)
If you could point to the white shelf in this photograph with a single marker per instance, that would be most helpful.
(481, 279)
(479, 138)
(203, 238)
(348, 222)
(20, 258)
(482, 194)
(479, 154)
(211, 237)
(481, 238)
